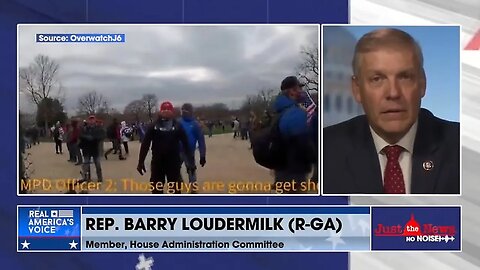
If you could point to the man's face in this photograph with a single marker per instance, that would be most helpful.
(295, 93)
(166, 114)
(390, 86)
(186, 112)
(91, 121)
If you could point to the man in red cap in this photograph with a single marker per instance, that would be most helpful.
(165, 136)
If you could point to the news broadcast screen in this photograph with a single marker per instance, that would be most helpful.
(240, 134)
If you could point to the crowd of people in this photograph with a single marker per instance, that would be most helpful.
(173, 140)
(84, 140)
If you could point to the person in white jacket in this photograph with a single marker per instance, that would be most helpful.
(125, 132)
(236, 128)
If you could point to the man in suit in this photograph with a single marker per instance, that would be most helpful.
(396, 147)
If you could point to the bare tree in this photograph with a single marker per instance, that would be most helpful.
(213, 112)
(150, 102)
(259, 102)
(135, 109)
(104, 112)
(92, 103)
(39, 81)
(104, 108)
(308, 69)
(267, 96)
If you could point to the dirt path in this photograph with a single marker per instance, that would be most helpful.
(230, 168)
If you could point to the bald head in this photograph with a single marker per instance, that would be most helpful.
(388, 38)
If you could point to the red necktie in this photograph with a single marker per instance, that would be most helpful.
(393, 182)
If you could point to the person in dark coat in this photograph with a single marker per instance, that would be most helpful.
(90, 138)
(164, 136)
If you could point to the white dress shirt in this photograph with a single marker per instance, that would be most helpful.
(405, 158)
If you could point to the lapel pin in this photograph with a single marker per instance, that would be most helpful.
(428, 165)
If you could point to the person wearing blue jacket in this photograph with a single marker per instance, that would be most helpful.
(299, 151)
(195, 135)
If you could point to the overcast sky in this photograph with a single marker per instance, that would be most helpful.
(197, 64)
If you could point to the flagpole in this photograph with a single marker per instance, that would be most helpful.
(311, 99)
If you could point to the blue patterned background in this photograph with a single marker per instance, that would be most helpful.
(145, 11)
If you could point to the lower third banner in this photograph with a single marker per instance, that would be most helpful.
(185, 228)
(237, 228)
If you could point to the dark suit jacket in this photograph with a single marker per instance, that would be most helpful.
(351, 166)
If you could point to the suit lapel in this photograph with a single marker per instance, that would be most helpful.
(424, 154)
(363, 161)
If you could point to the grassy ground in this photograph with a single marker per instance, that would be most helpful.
(216, 130)
(219, 130)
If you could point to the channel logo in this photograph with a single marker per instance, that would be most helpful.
(412, 231)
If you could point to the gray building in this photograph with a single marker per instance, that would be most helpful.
(338, 102)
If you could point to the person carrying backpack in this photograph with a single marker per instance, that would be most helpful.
(285, 146)
(294, 133)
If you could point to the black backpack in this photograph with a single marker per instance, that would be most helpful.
(268, 147)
